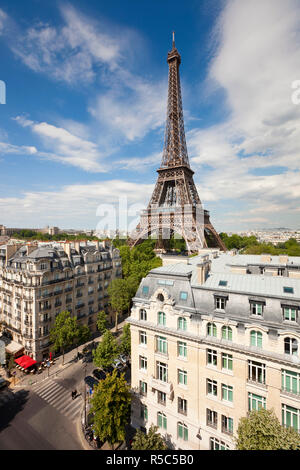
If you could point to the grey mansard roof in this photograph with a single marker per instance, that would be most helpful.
(185, 278)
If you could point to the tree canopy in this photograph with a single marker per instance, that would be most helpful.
(261, 430)
(110, 408)
(150, 441)
(102, 322)
(107, 351)
(64, 331)
(125, 340)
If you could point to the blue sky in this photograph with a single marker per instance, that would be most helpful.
(86, 95)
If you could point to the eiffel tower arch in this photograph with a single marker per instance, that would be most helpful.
(175, 206)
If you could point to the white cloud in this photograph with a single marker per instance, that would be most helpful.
(73, 206)
(255, 63)
(70, 52)
(63, 146)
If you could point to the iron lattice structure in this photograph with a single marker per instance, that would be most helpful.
(175, 206)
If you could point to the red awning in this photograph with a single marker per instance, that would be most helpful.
(25, 361)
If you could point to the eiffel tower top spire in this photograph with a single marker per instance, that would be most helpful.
(175, 150)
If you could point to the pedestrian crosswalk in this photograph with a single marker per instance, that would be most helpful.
(60, 398)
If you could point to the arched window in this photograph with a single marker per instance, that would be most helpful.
(182, 431)
(161, 420)
(211, 329)
(290, 346)
(226, 333)
(182, 323)
(256, 338)
(143, 314)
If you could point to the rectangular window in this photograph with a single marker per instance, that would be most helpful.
(227, 393)
(181, 349)
(256, 402)
(161, 318)
(291, 417)
(143, 363)
(182, 377)
(161, 345)
(256, 308)
(143, 337)
(183, 295)
(211, 387)
(216, 444)
(162, 371)
(161, 398)
(290, 382)
(211, 418)
(144, 413)
(227, 425)
(145, 290)
(290, 313)
(182, 406)
(226, 361)
(220, 303)
(256, 372)
(211, 357)
(143, 388)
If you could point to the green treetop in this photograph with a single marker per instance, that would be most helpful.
(106, 352)
(261, 430)
(150, 441)
(110, 408)
(64, 331)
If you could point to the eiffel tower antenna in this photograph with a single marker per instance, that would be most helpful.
(175, 206)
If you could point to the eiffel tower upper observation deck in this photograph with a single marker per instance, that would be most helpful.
(175, 206)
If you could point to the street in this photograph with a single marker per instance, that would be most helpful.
(38, 413)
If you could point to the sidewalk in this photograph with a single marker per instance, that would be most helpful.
(55, 369)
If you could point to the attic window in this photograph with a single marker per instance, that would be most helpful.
(223, 283)
(288, 290)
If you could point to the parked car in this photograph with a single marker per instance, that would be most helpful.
(91, 381)
(3, 382)
(117, 364)
(124, 359)
(110, 369)
(99, 374)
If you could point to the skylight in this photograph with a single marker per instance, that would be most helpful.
(223, 283)
(288, 290)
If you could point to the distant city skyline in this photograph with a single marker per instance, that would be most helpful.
(85, 106)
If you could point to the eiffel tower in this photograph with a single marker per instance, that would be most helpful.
(175, 206)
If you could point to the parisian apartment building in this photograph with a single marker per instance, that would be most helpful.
(39, 280)
(215, 336)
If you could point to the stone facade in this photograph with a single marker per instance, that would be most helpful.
(38, 281)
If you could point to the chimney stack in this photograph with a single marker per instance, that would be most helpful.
(10, 251)
(203, 270)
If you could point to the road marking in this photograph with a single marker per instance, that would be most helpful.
(60, 398)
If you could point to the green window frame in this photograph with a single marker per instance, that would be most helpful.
(182, 431)
(182, 349)
(256, 402)
(211, 329)
(162, 344)
(290, 417)
(182, 324)
(161, 317)
(227, 333)
(182, 377)
(256, 338)
(161, 420)
(290, 382)
(227, 392)
(227, 361)
(290, 313)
